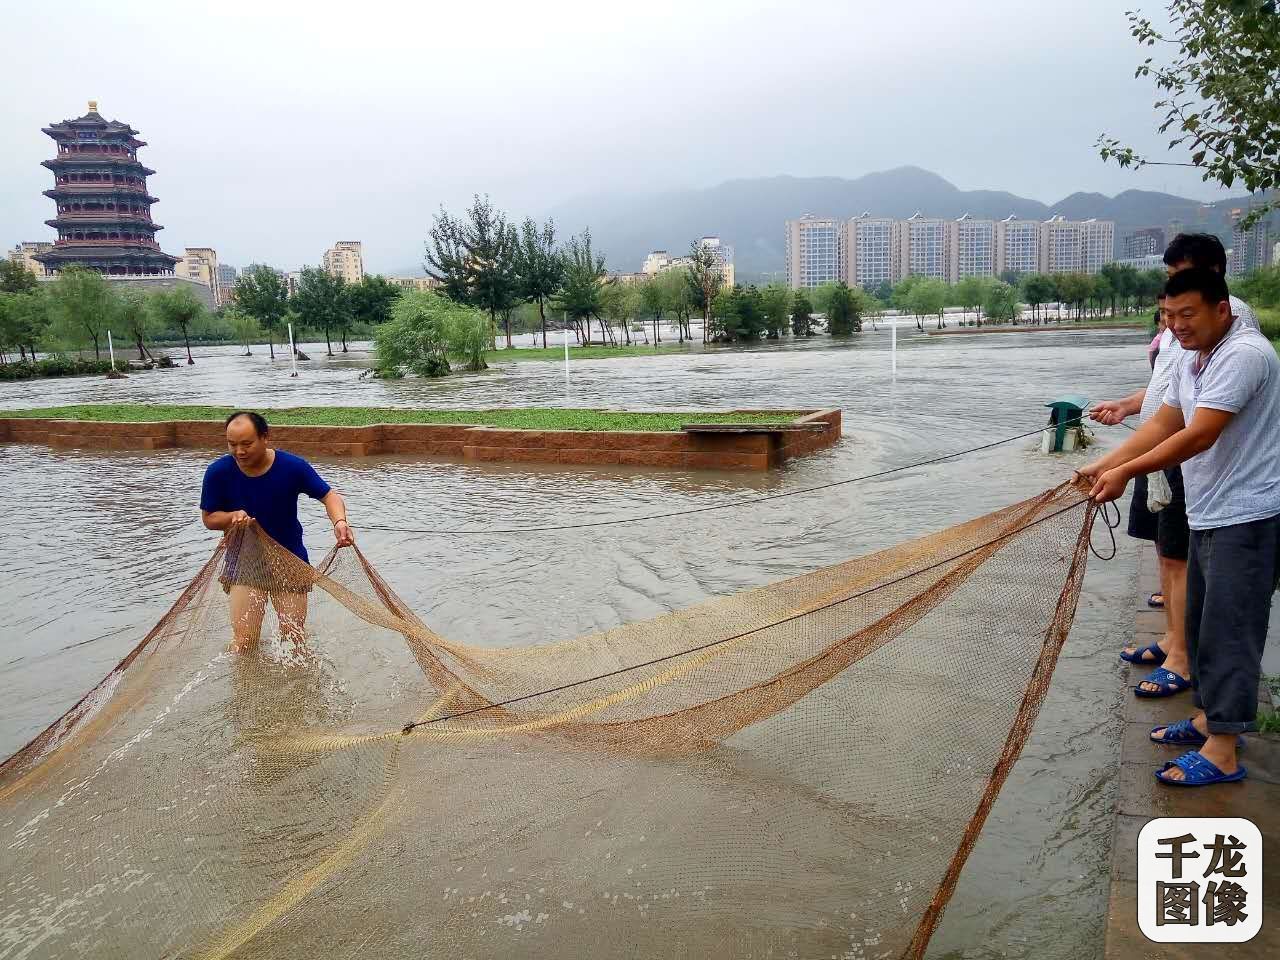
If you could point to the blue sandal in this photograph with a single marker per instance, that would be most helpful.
(1183, 733)
(1197, 772)
(1139, 656)
(1168, 682)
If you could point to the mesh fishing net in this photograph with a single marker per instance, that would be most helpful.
(797, 770)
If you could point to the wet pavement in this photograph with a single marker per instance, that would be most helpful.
(96, 546)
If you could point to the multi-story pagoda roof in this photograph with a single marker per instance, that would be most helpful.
(104, 210)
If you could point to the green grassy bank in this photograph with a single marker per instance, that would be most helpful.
(554, 353)
(531, 418)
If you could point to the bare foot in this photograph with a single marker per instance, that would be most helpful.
(1174, 664)
(1198, 721)
(1219, 749)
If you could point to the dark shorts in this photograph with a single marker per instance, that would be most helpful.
(1168, 528)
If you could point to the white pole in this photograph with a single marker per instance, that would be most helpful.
(893, 351)
(566, 352)
(112, 350)
(293, 353)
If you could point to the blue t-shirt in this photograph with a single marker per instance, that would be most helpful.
(271, 499)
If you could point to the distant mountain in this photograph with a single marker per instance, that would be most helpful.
(749, 214)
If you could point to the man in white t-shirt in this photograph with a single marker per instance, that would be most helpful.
(1168, 528)
(1220, 420)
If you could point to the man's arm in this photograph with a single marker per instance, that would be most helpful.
(1166, 422)
(1112, 412)
(336, 508)
(223, 519)
(1202, 433)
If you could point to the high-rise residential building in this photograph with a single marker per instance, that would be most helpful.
(814, 251)
(227, 276)
(104, 211)
(656, 262)
(873, 251)
(1142, 243)
(345, 259)
(26, 252)
(1017, 246)
(971, 248)
(927, 246)
(1249, 248)
(1097, 244)
(723, 254)
(1060, 248)
(200, 264)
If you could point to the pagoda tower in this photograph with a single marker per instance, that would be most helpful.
(104, 211)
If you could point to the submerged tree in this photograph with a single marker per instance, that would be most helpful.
(580, 295)
(475, 260)
(323, 303)
(180, 310)
(539, 267)
(263, 294)
(83, 305)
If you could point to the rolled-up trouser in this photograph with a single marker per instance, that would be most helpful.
(1231, 575)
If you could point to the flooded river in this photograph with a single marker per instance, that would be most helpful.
(96, 546)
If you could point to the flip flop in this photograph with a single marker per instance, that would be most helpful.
(1168, 682)
(1198, 772)
(1156, 601)
(1183, 733)
(1138, 656)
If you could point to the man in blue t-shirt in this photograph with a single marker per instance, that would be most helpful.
(256, 483)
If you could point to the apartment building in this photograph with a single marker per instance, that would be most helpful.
(25, 254)
(1143, 243)
(660, 261)
(1249, 248)
(927, 249)
(200, 265)
(345, 259)
(1017, 244)
(873, 251)
(971, 249)
(814, 251)
(1097, 244)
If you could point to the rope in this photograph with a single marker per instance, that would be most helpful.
(715, 506)
(1093, 509)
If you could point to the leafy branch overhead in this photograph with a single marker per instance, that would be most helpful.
(1220, 94)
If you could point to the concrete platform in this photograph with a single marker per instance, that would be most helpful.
(1141, 798)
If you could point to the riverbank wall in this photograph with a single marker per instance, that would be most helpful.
(724, 447)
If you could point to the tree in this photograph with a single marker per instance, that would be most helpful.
(133, 314)
(178, 309)
(263, 294)
(475, 259)
(322, 303)
(706, 277)
(776, 299)
(580, 294)
(1074, 289)
(1037, 288)
(654, 303)
(970, 292)
(619, 304)
(244, 327)
(83, 304)
(801, 315)
(1218, 91)
(24, 321)
(928, 298)
(371, 300)
(415, 337)
(1000, 301)
(844, 310)
(1260, 288)
(820, 296)
(738, 314)
(677, 293)
(15, 278)
(539, 267)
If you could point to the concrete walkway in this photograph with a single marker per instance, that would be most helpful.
(1141, 798)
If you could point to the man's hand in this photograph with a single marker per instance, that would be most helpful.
(343, 533)
(239, 518)
(1109, 486)
(1109, 412)
(1092, 471)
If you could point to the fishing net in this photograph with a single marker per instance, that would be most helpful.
(797, 770)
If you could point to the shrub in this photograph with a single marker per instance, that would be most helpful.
(414, 338)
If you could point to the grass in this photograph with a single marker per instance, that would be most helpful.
(527, 418)
(521, 354)
(1269, 321)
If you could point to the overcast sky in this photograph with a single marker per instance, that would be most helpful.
(278, 127)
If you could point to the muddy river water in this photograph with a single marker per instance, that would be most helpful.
(95, 546)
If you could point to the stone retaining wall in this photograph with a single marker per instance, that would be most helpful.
(713, 451)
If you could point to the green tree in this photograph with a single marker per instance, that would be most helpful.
(1219, 93)
(1000, 302)
(928, 298)
(134, 317)
(371, 300)
(1037, 288)
(801, 315)
(820, 296)
(776, 299)
(475, 259)
(620, 303)
(678, 294)
(415, 338)
(970, 292)
(539, 267)
(322, 303)
(1260, 288)
(26, 320)
(83, 306)
(263, 294)
(244, 327)
(15, 278)
(179, 309)
(1121, 280)
(706, 279)
(580, 295)
(844, 310)
(653, 304)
